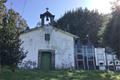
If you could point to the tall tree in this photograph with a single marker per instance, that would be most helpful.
(105, 20)
(82, 22)
(11, 52)
(2, 13)
(112, 32)
(21, 22)
(2, 10)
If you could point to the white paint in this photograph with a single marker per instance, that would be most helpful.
(102, 68)
(62, 43)
(100, 58)
(110, 59)
(117, 67)
(106, 58)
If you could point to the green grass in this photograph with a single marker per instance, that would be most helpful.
(59, 75)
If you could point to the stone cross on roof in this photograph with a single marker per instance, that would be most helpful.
(47, 9)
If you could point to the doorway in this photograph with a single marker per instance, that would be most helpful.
(46, 59)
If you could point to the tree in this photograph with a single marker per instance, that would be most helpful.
(112, 32)
(2, 13)
(11, 52)
(82, 22)
(105, 20)
(21, 22)
(2, 10)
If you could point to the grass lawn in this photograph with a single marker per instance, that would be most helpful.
(59, 75)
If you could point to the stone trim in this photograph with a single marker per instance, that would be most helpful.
(52, 57)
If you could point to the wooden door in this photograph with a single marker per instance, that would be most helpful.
(46, 61)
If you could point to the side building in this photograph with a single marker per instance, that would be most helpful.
(85, 56)
(88, 57)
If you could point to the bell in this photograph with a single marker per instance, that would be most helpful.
(47, 19)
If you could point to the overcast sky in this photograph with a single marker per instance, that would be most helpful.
(31, 9)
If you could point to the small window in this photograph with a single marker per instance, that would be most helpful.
(47, 37)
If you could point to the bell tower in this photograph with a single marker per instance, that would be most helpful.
(48, 16)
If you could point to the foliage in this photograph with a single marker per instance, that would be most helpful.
(105, 20)
(10, 51)
(59, 75)
(112, 32)
(82, 22)
(21, 23)
(2, 10)
(2, 14)
(27, 65)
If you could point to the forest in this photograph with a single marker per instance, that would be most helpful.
(102, 30)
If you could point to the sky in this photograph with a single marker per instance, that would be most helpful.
(31, 9)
